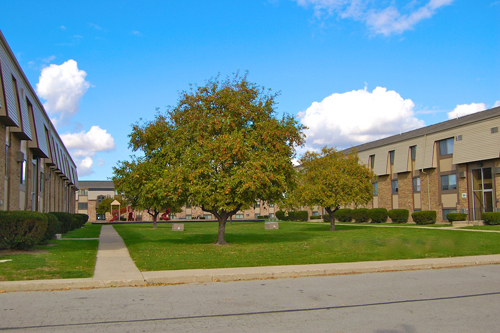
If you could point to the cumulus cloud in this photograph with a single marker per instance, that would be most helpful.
(84, 167)
(465, 109)
(359, 116)
(497, 103)
(84, 145)
(380, 20)
(62, 86)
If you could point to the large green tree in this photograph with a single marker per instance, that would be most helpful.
(149, 182)
(226, 143)
(332, 179)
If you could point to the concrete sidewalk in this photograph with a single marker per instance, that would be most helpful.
(115, 268)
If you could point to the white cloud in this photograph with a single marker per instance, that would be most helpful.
(380, 20)
(84, 145)
(359, 116)
(63, 27)
(62, 86)
(84, 167)
(497, 103)
(136, 33)
(465, 109)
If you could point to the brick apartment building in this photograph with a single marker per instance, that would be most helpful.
(453, 166)
(38, 172)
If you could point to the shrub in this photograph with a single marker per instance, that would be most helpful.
(456, 217)
(360, 215)
(316, 217)
(491, 218)
(378, 215)
(326, 218)
(53, 228)
(82, 218)
(300, 215)
(343, 215)
(399, 215)
(21, 229)
(424, 217)
(201, 217)
(68, 222)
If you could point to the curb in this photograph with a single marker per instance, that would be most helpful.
(252, 273)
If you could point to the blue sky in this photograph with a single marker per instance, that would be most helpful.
(351, 70)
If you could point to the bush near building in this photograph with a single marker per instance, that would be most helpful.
(343, 215)
(399, 215)
(378, 215)
(456, 217)
(299, 216)
(491, 218)
(53, 228)
(21, 229)
(424, 217)
(360, 215)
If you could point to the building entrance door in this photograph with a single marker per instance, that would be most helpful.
(482, 190)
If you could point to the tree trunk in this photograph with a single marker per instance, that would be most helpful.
(222, 230)
(155, 216)
(332, 219)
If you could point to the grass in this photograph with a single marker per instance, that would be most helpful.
(89, 230)
(483, 227)
(294, 243)
(63, 259)
(399, 224)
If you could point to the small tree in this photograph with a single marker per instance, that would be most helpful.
(229, 148)
(333, 179)
(150, 182)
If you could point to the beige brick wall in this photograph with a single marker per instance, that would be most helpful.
(405, 192)
(384, 192)
(462, 188)
(14, 173)
(497, 185)
(430, 187)
(2, 165)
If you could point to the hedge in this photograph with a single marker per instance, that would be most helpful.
(399, 215)
(326, 218)
(316, 217)
(456, 217)
(378, 215)
(300, 216)
(343, 215)
(424, 217)
(21, 229)
(68, 221)
(360, 215)
(83, 218)
(53, 228)
(491, 218)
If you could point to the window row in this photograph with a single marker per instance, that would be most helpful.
(448, 182)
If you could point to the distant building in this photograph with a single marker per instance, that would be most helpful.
(453, 166)
(37, 170)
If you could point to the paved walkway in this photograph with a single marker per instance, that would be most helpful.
(115, 268)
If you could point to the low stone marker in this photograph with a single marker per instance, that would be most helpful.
(271, 225)
(58, 236)
(177, 227)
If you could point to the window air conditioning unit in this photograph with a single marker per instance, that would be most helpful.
(461, 174)
(20, 156)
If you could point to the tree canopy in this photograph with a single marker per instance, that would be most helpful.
(333, 179)
(224, 146)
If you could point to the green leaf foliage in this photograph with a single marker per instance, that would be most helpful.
(399, 215)
(491, 218)
(424, 217)
(333, 179)
(378, 215)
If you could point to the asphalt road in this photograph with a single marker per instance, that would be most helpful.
(445, 300)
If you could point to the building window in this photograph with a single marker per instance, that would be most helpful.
(257, 204)
(372, 161)
(207, 216)
(256, 216)
(188, 217)
(271, 215)
(416, 184)
(238, 216)
(446, 147)
(41, 182)
(83, 206)
(448, 182)
(375, 188)
(413, 152)
(84, 193)
(394, 185)
(23, 172)
(315, 213)
(391, 157)
(271, 205)
(446, 212)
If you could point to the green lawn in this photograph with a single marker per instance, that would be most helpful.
(63, 259)
(89, 230)
(294, 243)
(440, 225)
(484, 227)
